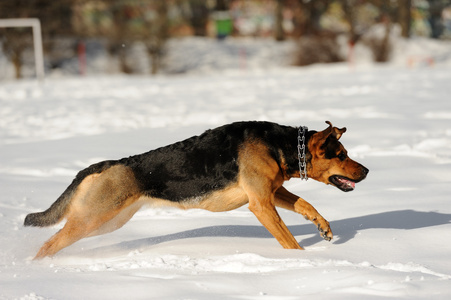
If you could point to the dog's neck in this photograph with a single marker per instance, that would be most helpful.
(302, 131)
(308, 154)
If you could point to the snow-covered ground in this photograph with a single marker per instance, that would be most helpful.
(392, 234)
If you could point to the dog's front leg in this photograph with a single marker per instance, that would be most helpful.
(267, 214)
(287, 200)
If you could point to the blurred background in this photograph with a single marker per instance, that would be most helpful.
(88, 37)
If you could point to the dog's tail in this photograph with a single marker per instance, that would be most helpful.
(55, 213)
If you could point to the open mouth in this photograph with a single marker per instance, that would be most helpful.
(343, 183)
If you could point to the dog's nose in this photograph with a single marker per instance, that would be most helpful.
(365, 170)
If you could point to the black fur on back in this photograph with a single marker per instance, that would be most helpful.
(209, 162)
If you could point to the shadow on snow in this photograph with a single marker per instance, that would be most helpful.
(344, 229)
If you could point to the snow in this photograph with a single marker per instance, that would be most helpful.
(391, 234)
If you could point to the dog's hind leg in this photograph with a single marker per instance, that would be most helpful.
(287, 200)
(78, 227)
(73, 231)
(107, 205)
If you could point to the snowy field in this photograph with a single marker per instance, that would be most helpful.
(392, 235)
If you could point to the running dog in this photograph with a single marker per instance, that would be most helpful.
(220, 170)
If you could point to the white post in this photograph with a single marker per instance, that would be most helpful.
(38, 51)
(37, 40)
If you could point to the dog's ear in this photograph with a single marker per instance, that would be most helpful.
(331, 130)
(337, 132)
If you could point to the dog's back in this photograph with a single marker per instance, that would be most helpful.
(202, 164)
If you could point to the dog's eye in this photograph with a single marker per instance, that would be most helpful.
(342, 156)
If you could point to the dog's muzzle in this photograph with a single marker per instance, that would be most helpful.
(346, 184)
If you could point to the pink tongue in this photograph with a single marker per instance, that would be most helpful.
(348, 182)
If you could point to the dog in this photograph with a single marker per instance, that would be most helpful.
(220, 170)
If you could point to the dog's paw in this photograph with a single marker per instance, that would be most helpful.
(322, 225)
(325, 231)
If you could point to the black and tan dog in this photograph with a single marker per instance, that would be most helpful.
(220, 170)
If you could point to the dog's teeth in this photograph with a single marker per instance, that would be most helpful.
(349, 183)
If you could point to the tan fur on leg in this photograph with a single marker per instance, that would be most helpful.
(287, 200)
(105, 206)
(268, 216)
(260, 177)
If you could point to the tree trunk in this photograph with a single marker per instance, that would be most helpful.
(348, 8)
(279, 33)
(405, 17)
(155, 44)
(384, 50)
(199, 17)
(309, 16)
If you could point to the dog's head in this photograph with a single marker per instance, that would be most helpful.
(329, 161)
